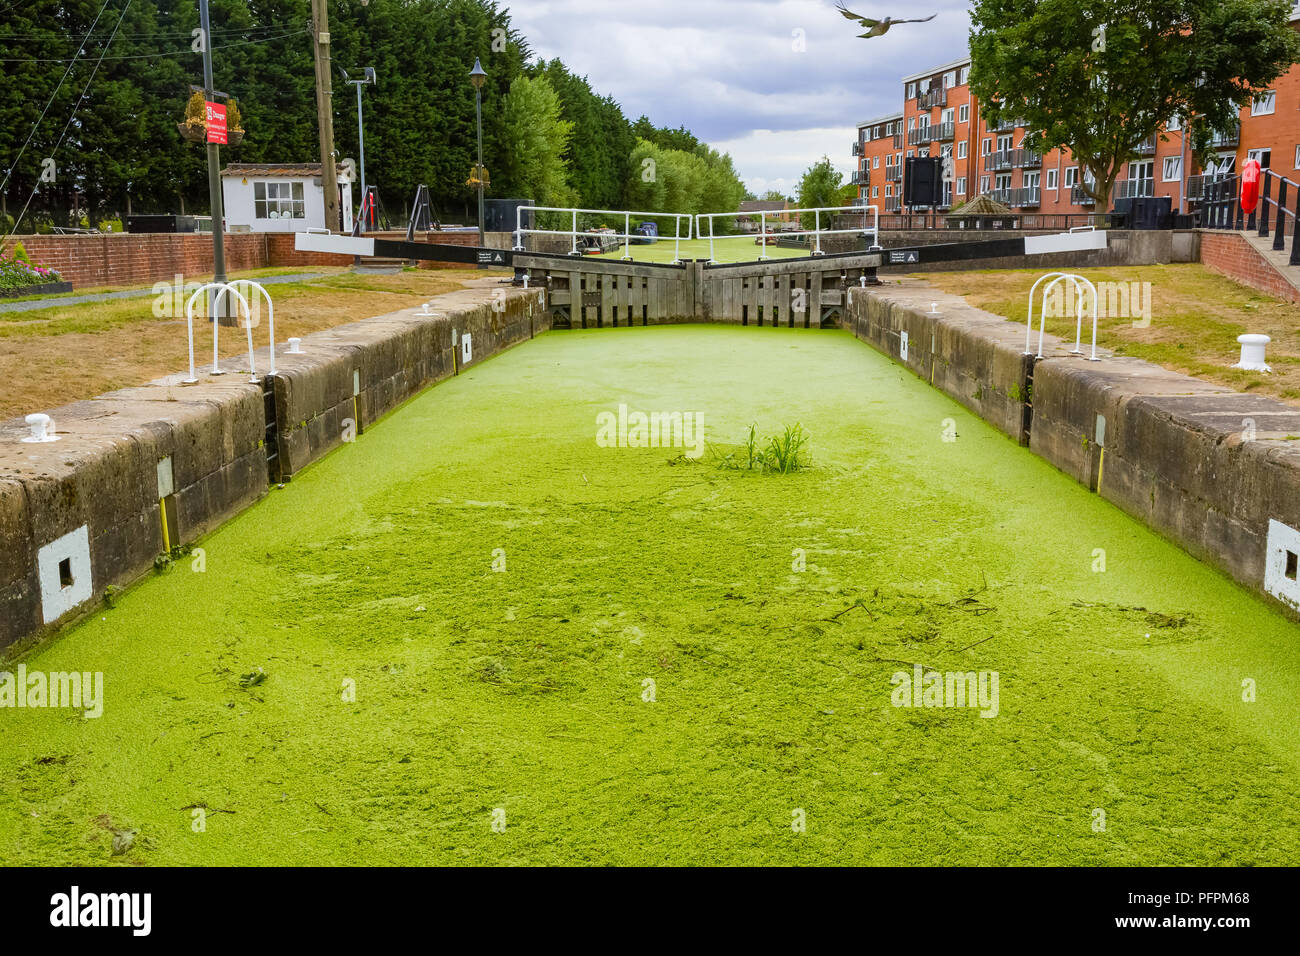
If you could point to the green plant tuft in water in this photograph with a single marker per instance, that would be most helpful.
(781, 453)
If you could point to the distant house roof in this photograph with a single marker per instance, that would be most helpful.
(260, 170)
(982, 205)
(764, 205)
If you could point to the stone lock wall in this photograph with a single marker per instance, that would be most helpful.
(86, 512)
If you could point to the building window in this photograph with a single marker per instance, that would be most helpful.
(889, 191)
(961, 185)
(875, 191)
(987, 146)
(963, 75)
(961, 150)
(984, 184)
(875, 162)
(1174, 124)
(1173, 168)
(278, 201)
(946, 116)
(911, 90)
(1297, 157)
(950, 79)
(911, 122)
(1263, 106)
(1051, 178)
(1261, 156)
(963, 113)
(1071, 176)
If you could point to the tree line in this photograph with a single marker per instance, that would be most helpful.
(547, 135)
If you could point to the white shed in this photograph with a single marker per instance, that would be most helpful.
(280, 197)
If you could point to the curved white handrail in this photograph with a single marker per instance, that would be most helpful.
(1078, 284)
(212, 314)
(270, 321)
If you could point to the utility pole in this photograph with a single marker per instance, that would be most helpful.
(324, 111)
(214, 163)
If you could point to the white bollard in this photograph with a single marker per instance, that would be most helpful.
(1252, 352)
(42, 429)
(934, 309)
(295, 346)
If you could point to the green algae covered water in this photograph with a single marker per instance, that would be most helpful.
(488, 638)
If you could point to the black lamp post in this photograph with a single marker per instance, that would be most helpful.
(478, 77)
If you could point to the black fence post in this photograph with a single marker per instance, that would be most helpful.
(1263, 202)
(1236, 203)
(1279, 231)
(1216, 221)
(1295, 232)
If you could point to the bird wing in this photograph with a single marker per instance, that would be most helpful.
(850, 15)
(921, 20)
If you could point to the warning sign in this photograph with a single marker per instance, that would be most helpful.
(904, 256)
(216, 120)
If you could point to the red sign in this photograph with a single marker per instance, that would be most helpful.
(216, 116)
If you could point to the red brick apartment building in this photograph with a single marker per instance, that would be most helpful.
(941, 117)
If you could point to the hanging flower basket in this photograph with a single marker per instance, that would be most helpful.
(195, 127)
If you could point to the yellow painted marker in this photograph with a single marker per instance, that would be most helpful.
(1101, 469)
(162, 508)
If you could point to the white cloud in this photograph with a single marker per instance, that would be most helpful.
(729, 70)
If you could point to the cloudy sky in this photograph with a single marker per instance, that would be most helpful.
(775, 83)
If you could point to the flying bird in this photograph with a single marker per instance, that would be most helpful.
(876, 28)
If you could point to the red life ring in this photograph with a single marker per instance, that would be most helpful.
(1250, 185)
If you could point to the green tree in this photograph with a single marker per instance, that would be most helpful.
(536, 137)
(820, 186)
(1099, 77)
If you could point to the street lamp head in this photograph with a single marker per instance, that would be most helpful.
(477, 76)
(371, 78)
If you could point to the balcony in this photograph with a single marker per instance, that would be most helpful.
(932, 98)
(1225, 138)
(1135, 188)
(919, 136)
(1004, 125)
(861, 177)
(1147, 147)
(894, 174)
(893, 204)
(857, 147)
(1027, 159)
(941, 132)
(898, 141)
(999, 161)
(1026, 197)
(1080, 198)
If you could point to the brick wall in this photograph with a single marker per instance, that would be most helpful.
(139, 259)
(1232, 255)
(127, 259)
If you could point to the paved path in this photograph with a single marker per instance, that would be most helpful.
(32, 304)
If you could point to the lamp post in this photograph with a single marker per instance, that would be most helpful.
(368, 78)
(214, 167)
(478, 77)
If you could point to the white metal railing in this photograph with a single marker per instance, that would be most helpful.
(626, 235)
(1077, 285)
(817, 231)
(214, 309)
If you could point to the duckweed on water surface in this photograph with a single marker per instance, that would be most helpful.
(475, 614)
